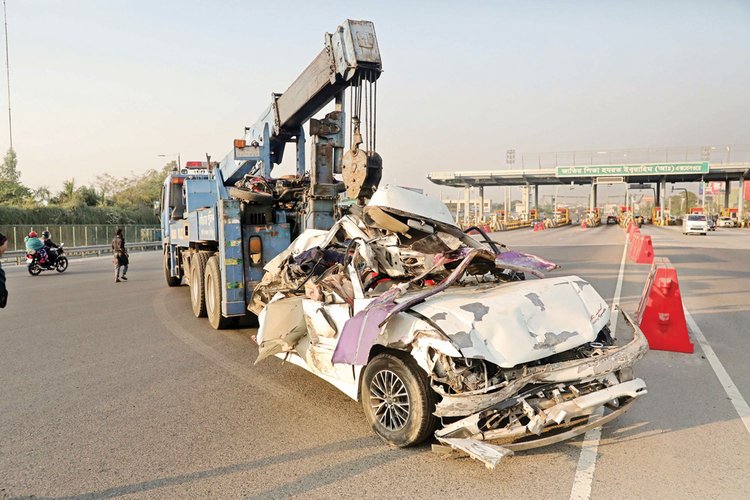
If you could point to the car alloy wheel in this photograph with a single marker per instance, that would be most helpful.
(389, 400)
(397, 399)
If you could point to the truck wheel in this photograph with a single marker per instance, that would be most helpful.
(398, 400)
(171, 280)
(212, 283)
(197, 289)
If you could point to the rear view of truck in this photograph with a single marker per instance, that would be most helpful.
(224, 221)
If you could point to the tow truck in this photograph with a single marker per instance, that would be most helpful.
(222, 222)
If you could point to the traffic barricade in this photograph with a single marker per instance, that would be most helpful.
(660, 314)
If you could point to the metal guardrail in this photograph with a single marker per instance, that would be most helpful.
(19, 256)
(79, 235)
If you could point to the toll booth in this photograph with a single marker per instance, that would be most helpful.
(497, 219)
(657, 214)
(729, 212)
(562, 216)
(593, 217)
(529, 217)
(624, 215)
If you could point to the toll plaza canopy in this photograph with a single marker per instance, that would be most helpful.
(642, 165)
(588, 174)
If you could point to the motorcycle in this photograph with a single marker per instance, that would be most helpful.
(55, 261)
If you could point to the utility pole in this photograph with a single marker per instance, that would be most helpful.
(510, 159)
(7, 73)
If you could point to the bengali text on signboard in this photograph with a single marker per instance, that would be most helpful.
(624, 170)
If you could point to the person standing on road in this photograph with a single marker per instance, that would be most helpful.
(121, 259)
(3, 290)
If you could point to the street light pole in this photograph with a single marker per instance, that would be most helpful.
(179, 163)
(557, 188)
(687, 207)
(510, 159)
(7, 73)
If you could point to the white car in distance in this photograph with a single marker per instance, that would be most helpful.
(695, 223)
(725, 222)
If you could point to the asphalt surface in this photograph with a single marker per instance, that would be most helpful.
(111, 390)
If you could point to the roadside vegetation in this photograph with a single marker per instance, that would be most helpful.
(109, 200)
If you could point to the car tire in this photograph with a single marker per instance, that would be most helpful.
(197, 289)
(212, 286)
(398, 401)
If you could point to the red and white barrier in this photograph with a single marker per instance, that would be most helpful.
(660, 313)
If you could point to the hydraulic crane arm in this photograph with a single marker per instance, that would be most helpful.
(350, 56)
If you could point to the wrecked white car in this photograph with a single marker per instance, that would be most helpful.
(438, 333)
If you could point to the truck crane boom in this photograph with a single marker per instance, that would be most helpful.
(350, 56)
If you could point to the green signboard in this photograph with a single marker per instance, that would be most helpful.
(625, 170)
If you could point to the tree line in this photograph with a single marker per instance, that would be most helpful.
(108, 200)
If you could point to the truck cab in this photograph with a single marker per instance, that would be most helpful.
(185, 189)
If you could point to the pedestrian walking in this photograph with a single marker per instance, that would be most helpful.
(3, 289)
(121, 259)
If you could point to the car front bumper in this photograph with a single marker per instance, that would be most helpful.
(546, 421)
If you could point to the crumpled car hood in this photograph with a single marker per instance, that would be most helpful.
(518, 322)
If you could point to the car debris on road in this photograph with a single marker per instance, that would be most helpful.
(440, 334)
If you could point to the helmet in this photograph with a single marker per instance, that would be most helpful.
(33, 234)
(45, 235)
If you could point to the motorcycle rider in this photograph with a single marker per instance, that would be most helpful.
(50, 246)
(35, 245)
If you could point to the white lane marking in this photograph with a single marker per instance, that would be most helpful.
(584, 477)
(618, 291)
(740, 405)
(587, 461)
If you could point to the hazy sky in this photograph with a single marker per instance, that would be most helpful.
(106, 86)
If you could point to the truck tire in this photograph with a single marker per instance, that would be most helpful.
(212, 284)
(171, 280)
(250, 196)
(197, 288)
(398, 400)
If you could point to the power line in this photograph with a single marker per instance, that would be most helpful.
(7, 73)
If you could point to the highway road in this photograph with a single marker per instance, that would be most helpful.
(112, 390)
